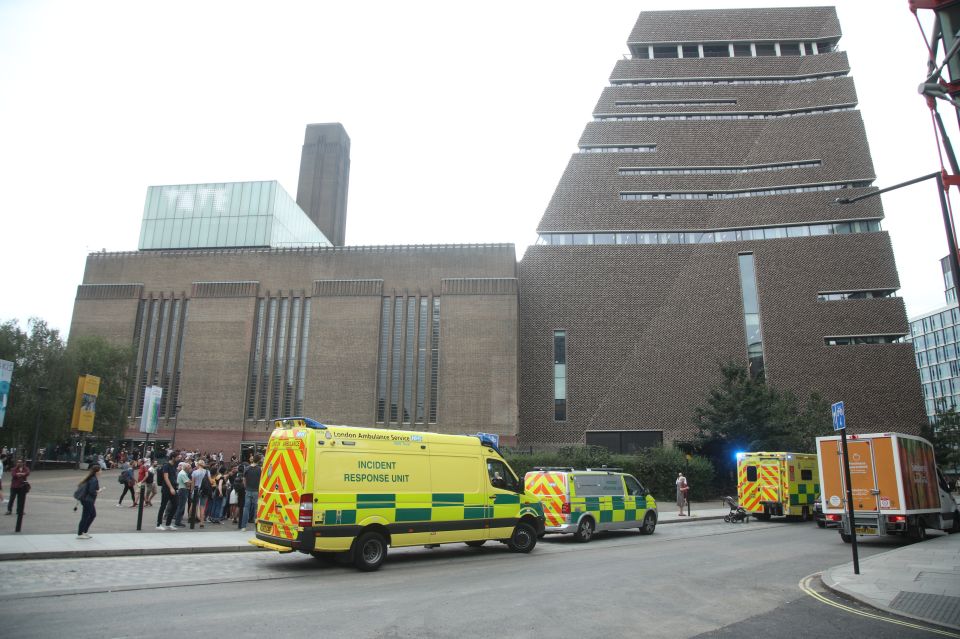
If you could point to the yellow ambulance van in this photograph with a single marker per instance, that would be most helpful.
(778, 484)
(351, 492)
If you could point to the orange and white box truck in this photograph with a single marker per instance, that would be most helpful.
(897, 487)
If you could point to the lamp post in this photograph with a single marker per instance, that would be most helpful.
(36, 426)
(176, 418)
(944, 210)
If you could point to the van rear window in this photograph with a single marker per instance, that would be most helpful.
(751, 473)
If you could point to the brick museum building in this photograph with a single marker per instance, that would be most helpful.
(695, 225)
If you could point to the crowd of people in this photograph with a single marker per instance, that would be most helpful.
(194, 487)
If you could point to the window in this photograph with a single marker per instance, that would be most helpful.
(277, 372)
(560, 376)
(790, 48)
(633, 486)
(751, 314)
(598, 485)
(766, 49)
(669, 51)
(728, 115)
(408, 360)
(742, 50)
(806, 474)
(690, 51)
(751, 473)
(716, 51)
(501, 476)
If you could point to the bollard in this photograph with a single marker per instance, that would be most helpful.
(143, 490)
(21, 506)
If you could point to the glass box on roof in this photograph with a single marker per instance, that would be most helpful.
(226, 215)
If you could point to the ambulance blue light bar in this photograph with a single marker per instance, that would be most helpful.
(298, 422)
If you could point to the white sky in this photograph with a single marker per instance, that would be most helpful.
(462, 117)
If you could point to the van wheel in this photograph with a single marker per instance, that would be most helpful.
(369, 551)
(523, 539)
(584, 530)
(955, 528)
(804, 514)
(821, 524)
(477, 543)
(649, 524)
(845, 537)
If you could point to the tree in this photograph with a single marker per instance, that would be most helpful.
(944, 434)
(41, 359)
(88, 355)
(37, 355)
(744, 414)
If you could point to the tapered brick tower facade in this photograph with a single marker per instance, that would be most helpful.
(697, 225)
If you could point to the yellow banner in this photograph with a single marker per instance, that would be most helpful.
(85, 404)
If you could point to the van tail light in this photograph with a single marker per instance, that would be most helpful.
(306, 510)
(897, 519)
(833, 517)
(565, 507)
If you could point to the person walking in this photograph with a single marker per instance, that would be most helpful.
(150, 482)
(87, 492)
(168, 494)
(126, 480)
(18, 486)
(3, 458)
(683, 489)
(251, 482)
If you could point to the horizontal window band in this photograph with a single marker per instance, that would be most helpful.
(679, 82)
(718, 170)
(613, 148)
(833, 296)
(708, 236)
(852, 340)
(673, 102)
(729, 195)
(720, 115)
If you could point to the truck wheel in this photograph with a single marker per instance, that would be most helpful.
(476, 543)
(584, 530)
(649, 524)
(917, 532)
(523, 539)
(369, 551)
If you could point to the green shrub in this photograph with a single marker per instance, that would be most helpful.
(656, 468)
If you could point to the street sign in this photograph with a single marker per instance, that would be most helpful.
(839, 418)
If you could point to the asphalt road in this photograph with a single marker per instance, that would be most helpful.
(705, 578)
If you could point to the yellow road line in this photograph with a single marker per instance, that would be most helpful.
(805, 587)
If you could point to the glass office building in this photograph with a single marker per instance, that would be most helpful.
(936, 343)
(226, 215)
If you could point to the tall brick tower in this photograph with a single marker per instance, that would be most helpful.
(325, 178)
(697, 225)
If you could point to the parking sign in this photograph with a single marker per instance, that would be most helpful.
(839, 419)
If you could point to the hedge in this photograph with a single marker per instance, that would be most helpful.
(656, 468)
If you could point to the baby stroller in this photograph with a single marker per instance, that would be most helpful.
(737, 513)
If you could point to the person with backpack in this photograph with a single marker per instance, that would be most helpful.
(126, 479)
(86, 493)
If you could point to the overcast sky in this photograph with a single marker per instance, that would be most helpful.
(462, 117)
